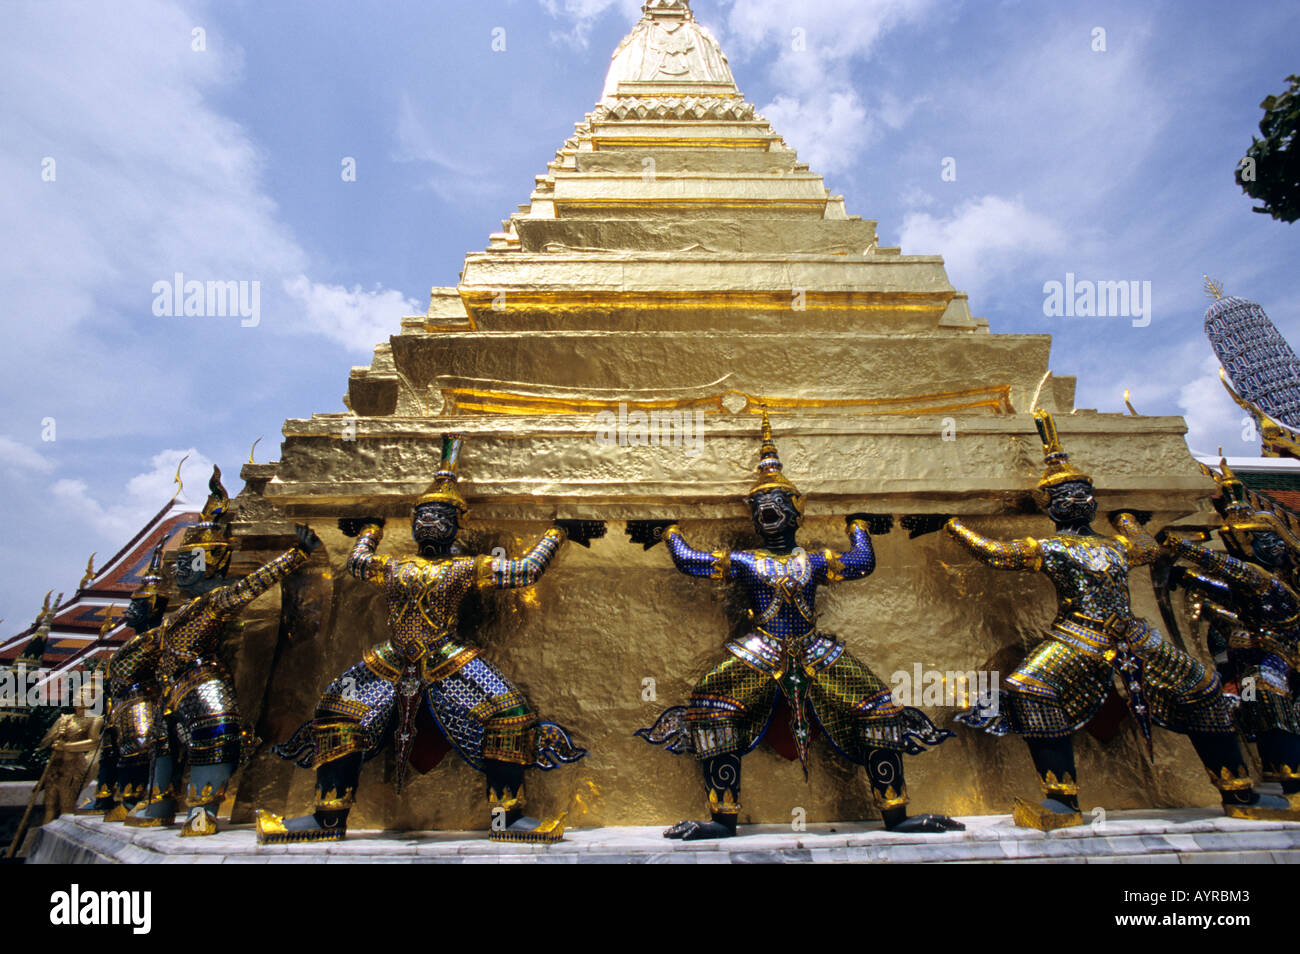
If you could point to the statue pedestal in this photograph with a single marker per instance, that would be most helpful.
(1172, 836)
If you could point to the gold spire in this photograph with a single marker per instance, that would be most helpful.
(1212, 288)
(1059, 469)
(444, 489)
(769, 469)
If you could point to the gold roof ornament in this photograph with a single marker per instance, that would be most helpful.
(1212, 288)
(212, 532)
(110, 621)
(1275, 438)
(769, 469)
(444, 489)
(180, 484)
(1059, 469)
(89, 574)
(45, 618)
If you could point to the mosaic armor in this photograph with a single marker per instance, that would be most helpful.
(424, 671)
(135, 732)
(482, 714)
(786, 655)
(785, 663)
(1254, 634)
(193, 682)
(195, 692)
(1094, 638)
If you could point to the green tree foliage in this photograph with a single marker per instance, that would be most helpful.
(1270, 173)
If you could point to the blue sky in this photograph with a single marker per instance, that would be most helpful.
(224, 162)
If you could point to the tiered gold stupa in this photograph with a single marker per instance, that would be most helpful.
(677, 256)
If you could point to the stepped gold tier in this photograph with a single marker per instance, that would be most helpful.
(676, 268)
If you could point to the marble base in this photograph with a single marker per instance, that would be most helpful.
(1181, 836)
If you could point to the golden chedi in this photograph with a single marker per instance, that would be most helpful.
(675, 268)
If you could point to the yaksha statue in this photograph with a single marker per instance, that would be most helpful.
(134, 729)
(424, 664)
(786, 655)
(1248, 596)
(1094, 638)
(195, 690)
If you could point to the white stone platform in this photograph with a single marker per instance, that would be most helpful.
(1179, 836)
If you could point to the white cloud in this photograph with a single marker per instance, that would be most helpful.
(116, 520)
(355, 318)
(982, 240)
(1212, 417)
(829, 134)
(19, 458)
(833, 33)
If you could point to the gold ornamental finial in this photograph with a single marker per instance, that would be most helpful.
(110, 621)
(46, 616)
(444, 489)
(1059, 469)
(253, 448)
(769, 467)
(89, 574)
(1212, 288)
(180, 486)
(1129, 404)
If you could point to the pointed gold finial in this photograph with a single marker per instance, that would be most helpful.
(89, 574)
(177, 479)
(1212, 288)
(253, 448)
(1129, 404)
(110, 620)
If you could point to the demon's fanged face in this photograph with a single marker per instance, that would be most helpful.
(191, 567)
(137, 613)
(774, 514)
(435, 524)
(1269, 548)
(1072, 503)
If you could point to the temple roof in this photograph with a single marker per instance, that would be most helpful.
(101, 596)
